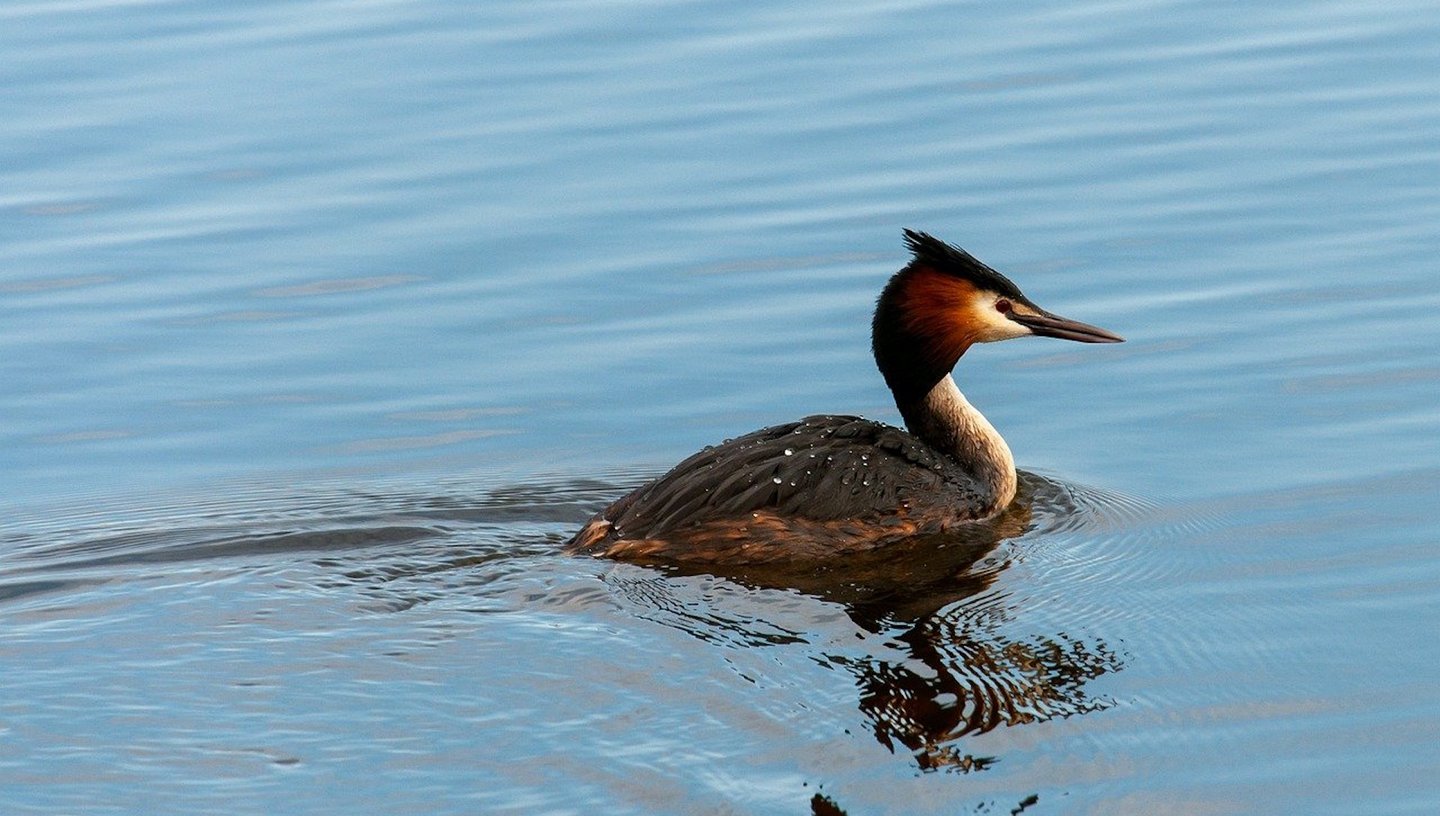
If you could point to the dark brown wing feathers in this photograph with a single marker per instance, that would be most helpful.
(842, 482)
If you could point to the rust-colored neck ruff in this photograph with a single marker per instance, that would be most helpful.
(935, 310)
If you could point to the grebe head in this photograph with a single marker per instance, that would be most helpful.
(943, 302)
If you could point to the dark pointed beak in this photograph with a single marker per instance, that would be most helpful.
(1048, 325)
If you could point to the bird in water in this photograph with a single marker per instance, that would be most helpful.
(829, 486)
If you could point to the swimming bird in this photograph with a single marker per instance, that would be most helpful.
(825, 486)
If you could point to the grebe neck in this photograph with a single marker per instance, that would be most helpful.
(946, 420)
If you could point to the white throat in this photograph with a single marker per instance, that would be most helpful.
(948, 421)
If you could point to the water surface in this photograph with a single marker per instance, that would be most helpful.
(323, 326)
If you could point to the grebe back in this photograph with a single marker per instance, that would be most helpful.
(828, 485)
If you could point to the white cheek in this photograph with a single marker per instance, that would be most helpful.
(996, 326)
(1003, 329)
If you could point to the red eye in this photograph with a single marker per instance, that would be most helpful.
(1002, 306)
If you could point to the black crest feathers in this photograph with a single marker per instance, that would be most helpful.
(952, 260)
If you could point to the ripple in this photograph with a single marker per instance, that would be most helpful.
(337, 286)
(717, 610)
(407, 533)
(51, 284)
(1091, 540)
(402, 443)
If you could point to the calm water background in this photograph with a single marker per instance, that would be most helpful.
(322, 325)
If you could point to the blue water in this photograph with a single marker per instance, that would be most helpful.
(323, 325)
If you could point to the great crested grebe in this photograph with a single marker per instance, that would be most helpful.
(831, 485)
